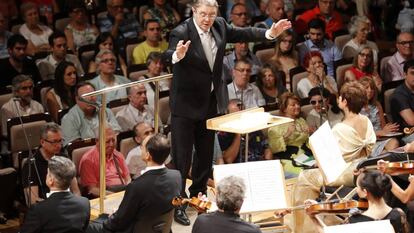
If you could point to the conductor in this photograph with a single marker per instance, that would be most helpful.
(196, 50)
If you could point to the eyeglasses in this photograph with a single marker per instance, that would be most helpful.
(108, 60)
(55, 142)
(365, 54)
(205, 15)
(314, 102)
(243, 70)
(405, 43)
(240, 14)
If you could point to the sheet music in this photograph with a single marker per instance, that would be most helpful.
(248, 120)
(111, 204)
(383, 226)
(326, 151)
(265, 189)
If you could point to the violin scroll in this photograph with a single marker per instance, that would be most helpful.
(409, 130)
(200, 205)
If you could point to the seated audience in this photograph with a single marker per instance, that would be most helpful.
(47, 65)
(270, 84)
(239, 15)
(231, 191)
(356, 138)
(62, 211)
(106, 41)
(313, 63)
(325, 10)
(373, 110)
(51, 145)
(79, 31)
(62, 95)
(405, 51)
(35, 33)
(241, 89)
(275, 10)
(17, 62)
(137, 110)
(241, 52)
(359, 27)
(153, 42)
(406, 17)
(363, 66)
(286, 56)
(149, 196)
(106, 62)
(134, 159)
(233, 146)
(82, 118)
(402, 101)
(165, 14)
(254, 11)
(4, 36)
(155, 68)
(289, 140)
(322, 109)
(318, 42)
(22, 86)
(373, 186)
(117, 174)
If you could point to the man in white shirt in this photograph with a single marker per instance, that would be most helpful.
(405, 51)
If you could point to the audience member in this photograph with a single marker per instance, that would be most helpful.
(405, 51)
(275, 12)
(402, 101)
(36, 34)
(287, 141)
(233, 146)
(46, 10)
(120, 24)
(155, 68)
(117, 174)
(153, 42)
(313, 62)
(318, 42)
(286, 56)
(231, 191)
(137, 110)
(82, 119)
(359, 27)
(106, 41)
(406, 17)
(241, 52)
(79, 32)
(106, 62)
(134, 159)
(62, 211)
(62, 95)
(239, 16)
(4, 36)
(241, 89)
(47, 65)
(165, 14)
(18, 62)
(270, 84)
(373, 110)
(22, 86)
(51, 142)
(254, 11)
(149, 196)
(363, 66)
(325, 11)
(322, 109)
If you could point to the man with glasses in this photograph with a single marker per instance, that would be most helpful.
(51, 144)
(239, 16)
(197, 91)
(153, 42)
(47, 65)
(120, 24)
(405, 51)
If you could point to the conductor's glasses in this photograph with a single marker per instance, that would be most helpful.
(205, 15)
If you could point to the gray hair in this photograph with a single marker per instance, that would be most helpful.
(26, 7)
(153, 56)
(230, 193)
(63, 170)
(98, 58)
(49, 127)
(106, 127)
(355, 22)
(19, 79)
(212, 3)
(129, 89)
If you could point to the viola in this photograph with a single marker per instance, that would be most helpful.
(200, 205)
(336, 207)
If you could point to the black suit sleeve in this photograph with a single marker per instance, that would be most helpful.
(246, 34)
(32, 222)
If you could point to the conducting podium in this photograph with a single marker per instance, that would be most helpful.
(245, 122)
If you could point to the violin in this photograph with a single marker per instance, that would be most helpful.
(336, 207)
(200, 205)
(408, 130)
(399, 168)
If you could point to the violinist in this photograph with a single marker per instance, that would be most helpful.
(372, 186)
(230, 192)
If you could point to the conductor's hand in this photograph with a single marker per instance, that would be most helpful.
(182, 48)
(279, 27)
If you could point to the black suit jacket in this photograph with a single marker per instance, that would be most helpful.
(222, 222)
(148, 195)
(191, 84)
(62, 212)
